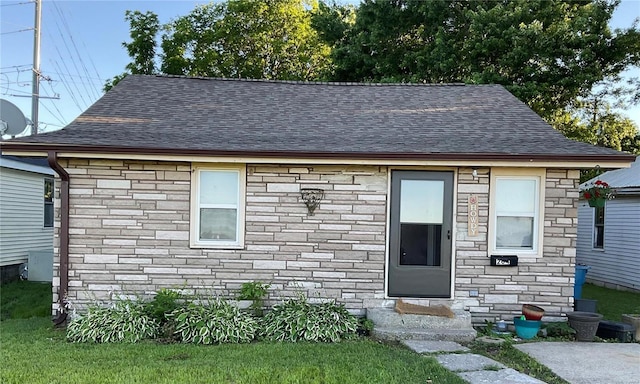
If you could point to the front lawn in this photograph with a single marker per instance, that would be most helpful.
(25, 299)
(612, 303)
(32, 352)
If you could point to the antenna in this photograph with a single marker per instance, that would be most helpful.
(13, 120)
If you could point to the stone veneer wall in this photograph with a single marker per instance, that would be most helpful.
(546, 281)
(129, 234)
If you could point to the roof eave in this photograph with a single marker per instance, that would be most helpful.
(20, 148)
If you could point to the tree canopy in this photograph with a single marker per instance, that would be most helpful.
(558, 56)
(266, 39)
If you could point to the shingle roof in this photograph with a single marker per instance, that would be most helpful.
(224, 116)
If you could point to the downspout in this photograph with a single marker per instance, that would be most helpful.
(63, 235)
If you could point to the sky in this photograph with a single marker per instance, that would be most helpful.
(81, 48)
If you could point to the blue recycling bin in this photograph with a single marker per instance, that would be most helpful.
(581, 277)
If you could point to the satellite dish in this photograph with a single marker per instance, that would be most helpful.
(13, 121)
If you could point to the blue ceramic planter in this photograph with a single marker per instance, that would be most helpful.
(526, 329)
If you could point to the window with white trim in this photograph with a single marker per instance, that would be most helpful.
(48, 202)
(217, 208)
(598, 228)
(516, 214)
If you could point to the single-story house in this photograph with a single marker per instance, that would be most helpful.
(609, 236)
(360, 192)
(26, 217)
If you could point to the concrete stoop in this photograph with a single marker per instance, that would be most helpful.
(390, 325)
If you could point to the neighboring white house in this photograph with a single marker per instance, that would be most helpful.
(609, 237)
(26, 217)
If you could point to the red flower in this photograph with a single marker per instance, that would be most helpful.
(587, 195)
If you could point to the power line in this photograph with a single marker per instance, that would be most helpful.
(64, 62)
(12, 4)
(17, 66)
(65, 83)
(95, 79)
(52, 114)
(21, 30)
(75, 47)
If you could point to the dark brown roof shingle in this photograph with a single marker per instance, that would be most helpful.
(222, 116)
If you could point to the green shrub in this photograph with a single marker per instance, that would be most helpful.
(164, 302)
(124, 321)
(297, 319)
(213, 323)
(256, 292)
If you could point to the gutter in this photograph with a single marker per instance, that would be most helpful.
(63, 235)
(19, 147)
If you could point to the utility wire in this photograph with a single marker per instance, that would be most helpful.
(12, 4)
(17, 66)
(21, 30)
(75, 47)
(66, 82)
(52, 114)
(64, 62)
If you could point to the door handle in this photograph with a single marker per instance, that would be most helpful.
(448, 234)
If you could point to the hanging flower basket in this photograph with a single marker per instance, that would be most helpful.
(597, 193)
(596, 203)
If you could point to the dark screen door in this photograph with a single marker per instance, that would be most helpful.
(420, 234)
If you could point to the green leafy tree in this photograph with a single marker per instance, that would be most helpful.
(144, 28)
(268, 39)
(547, 53)
(594, 119)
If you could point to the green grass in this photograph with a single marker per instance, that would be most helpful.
(33, 352)
(25, 299)
(612, 303)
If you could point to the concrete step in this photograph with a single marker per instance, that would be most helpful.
(389, 318)
(404, 333)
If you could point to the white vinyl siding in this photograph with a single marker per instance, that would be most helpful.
(22, 215)
(217, 219)
(618, 261)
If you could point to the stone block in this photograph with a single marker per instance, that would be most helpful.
(283, 187)
(269, 264)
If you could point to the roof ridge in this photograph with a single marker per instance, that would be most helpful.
(307, 82)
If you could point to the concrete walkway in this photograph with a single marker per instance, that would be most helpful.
(587, 363)
(473, 368)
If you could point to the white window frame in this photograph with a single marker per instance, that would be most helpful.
(539, 176)
(594, 228)
(194, 233)
(46, 204)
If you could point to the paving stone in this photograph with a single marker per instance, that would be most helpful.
(432, 346)
(502, 376)
(467, 362)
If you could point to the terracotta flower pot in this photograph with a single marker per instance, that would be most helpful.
(532, 312)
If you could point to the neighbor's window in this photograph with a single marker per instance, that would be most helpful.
(217, 219)
(48, 202)
(598, 228)
(516, 213)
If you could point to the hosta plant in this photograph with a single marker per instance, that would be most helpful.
(296, 319)
(122, 321)
(213, 322)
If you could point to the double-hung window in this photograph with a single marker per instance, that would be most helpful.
(598, 228)
(516, 218)
(48, 203)
(217, 208)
